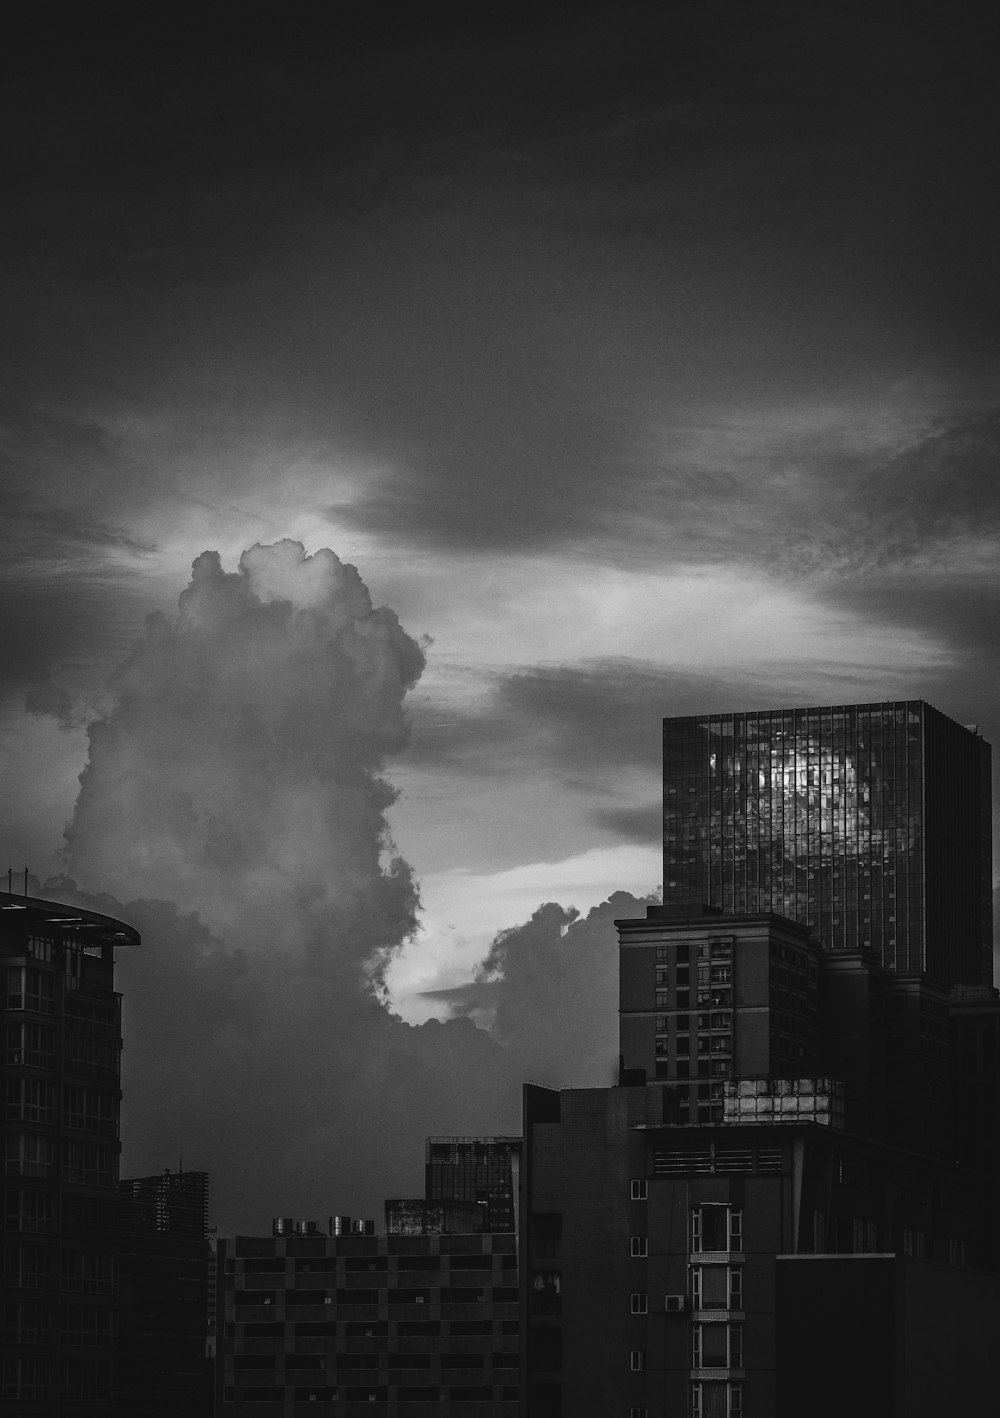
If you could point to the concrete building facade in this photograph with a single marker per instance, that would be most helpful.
(400, 1326)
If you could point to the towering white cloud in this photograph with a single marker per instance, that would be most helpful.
(238, 772)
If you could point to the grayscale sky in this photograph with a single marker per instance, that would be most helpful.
(642, 359)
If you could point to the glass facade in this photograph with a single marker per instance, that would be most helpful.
(868, 823)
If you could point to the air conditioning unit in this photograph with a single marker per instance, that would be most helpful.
(676, 1304)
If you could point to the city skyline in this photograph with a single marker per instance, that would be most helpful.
(642, 365)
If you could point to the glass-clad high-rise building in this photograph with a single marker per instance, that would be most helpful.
(869, 823)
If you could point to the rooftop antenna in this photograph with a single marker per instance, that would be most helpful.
(10, 881)
(26, 881)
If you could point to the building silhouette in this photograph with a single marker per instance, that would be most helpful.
(163, 1297)
(61, 1051)
(868, 823)
(788, 1203)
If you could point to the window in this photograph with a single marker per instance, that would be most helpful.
(41, 948)
(88, 1109)
(24, 1378)
(28, 1211)
(913, 1243)
(28, 988)
(635, 1412)
(26, 1322)
(30, 1100)
(637, 1361)
(716, 1287)
(27, 1267)
(639, 1189)
(819, 1232)
(716, 1345)
(86, 1324)
(88, 1164)
(86, 1271)
(28, 1155)
(638, 1303)
(29, 1044)
(546, 1293)
(639, 1246)
(716, 1228)
(714, 1398)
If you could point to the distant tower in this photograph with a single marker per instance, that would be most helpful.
(61, 1052)
(868, 823)
(476, 1170)
(165, 1304)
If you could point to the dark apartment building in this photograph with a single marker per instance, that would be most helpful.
(788, 1203)
(868, 823)
(758, 1268)
(61, 1051)
(364, 1326)
(163, 1297)
(421, 1321)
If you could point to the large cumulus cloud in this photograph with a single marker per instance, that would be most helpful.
(233, 808)
(238, 772)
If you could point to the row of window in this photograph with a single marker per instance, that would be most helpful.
(30, 1045)
(721, 1019)
(504, 1360)
(369, 1329)
(28, 987)
(90, 1164)
(417, 1393)
(380, 1265)
(77, 1380)
(33, 1268)
(33, 1322)
(715, 995)
(33, 1100)
(445, 1295)
(714, 1345)
(36, 1211)
(714, 1226)
(707, 1066)
(718, 949)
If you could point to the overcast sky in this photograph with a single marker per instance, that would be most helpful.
(643, 360)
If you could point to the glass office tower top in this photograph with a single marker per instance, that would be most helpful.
(870, 823)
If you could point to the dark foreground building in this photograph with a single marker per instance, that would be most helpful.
(61, 1051)
(788, 1203)
(868, 823)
